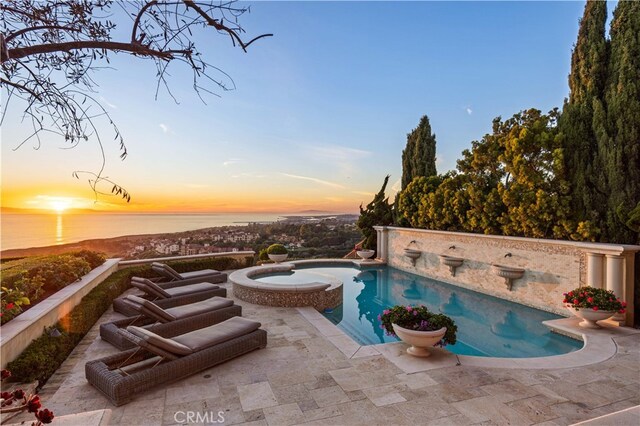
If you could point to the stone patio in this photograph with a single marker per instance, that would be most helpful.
(303, 377)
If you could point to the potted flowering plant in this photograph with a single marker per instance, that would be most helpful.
(277, 253)
(419, 327)
(593, 304)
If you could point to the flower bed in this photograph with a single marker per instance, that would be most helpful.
(30, 280)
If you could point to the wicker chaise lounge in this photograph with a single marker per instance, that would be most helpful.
(168, 322)
(180, 294)
(160, 360)
(170, 274)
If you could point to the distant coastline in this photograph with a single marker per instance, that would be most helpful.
(115, 245)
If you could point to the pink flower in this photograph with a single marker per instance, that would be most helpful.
(386, 312)
(590, 299)
(409, 308)
(415, 313)
(595, 308)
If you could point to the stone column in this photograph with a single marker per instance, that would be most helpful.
(595, 270)
(615, 281)
(382, 251)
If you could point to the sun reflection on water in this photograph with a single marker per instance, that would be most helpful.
(59, 235)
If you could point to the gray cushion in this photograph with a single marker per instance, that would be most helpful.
(203, 273)
(154, 289)
(153, 339)
(197, 308)
(189, 289)
(209, 336)
(169, 270)
(136, 300)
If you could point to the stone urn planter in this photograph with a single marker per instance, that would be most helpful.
(365, 254)
(420, 341)
(589, 316)
(278, 257)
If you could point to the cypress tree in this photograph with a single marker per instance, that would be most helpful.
(621, 150)
(419, 156)
(583, 119)
(377, 213)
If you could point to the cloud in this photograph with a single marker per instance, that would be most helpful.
(368, 194)
(339, 153)
(107, 103)
(469, 110)
(248, 175)
(345, 158)
(397, 186)
(165, 128)
(312, 179)
(231, 161)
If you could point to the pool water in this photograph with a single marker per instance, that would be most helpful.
(487, 326)
(299, 276)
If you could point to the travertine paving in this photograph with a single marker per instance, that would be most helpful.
(302, 377)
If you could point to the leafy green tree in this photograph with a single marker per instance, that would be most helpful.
(621, 150)
(409, 201)
(377, 213)
(583, 119)
(419, 156)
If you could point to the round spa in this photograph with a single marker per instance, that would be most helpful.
(292, 284)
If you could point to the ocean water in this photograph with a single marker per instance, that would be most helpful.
(487, 326)
(37, 230)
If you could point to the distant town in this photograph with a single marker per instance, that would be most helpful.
(304, 237)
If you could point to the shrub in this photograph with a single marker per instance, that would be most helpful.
(11, 303)
(263, 255)
(418, 318)
(277, 249)
(597, 299)
(93, 258)
(62, 271)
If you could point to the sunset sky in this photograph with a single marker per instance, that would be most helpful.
(321, 110)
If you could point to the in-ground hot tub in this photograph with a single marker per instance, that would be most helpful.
(297, 283)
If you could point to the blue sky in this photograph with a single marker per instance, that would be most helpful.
(321, 110)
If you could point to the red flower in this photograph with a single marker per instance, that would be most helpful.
(595, 308)
(10, 306)
(5, 374)
(18, 394)
(590, 299)
(45, 416)
(565, 301)
(34, 404)
(624, 304)
(576, 301)
(621, 311)
(5, 395)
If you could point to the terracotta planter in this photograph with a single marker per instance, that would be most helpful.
(589, 316)
(364, 254)
(420, 341)
(278, 257)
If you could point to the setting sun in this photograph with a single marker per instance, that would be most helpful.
(59, 205)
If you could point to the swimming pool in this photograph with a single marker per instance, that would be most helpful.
(487, 326)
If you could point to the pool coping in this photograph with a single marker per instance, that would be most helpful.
(599, 346)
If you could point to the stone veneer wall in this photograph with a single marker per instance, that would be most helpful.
(552, 267)
(320, 300)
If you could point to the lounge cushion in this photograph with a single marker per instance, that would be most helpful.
(154, 310)
(209, 336)
(169, 270)
(153, 339)
(188, 289)
(197, 308)
(197, 274)
(153, 288)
